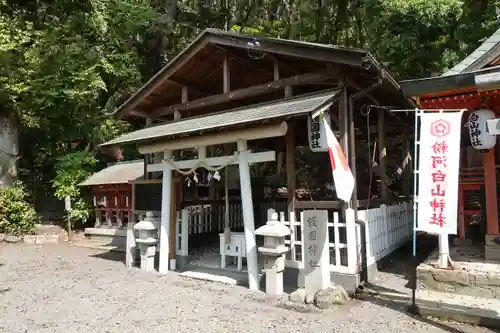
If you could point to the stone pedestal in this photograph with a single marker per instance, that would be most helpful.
(273, 253)
(147, 242)
(492, 248)
(147, 249)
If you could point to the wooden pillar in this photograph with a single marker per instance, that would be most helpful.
(461, 217)
(490, 181)
(461, 200)
(166, 206)
(176, 191)
(173, 222)
(291, 156)
(279, 157)
(248, 218)
(382, 151)
(352, 154)
(343, 123)
(226, 87)
(147, 175)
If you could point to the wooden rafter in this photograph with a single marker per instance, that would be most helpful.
(245, 92)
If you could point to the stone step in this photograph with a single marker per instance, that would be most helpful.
(101, 243)
(467, 309)
(467, 279)
(112, 239)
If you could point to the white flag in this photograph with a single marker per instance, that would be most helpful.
(342, 175)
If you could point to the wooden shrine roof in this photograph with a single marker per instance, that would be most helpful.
(119, 173)
(280, 109)
(486, 54)
(446, 84)
(197, 72)
(478, 71)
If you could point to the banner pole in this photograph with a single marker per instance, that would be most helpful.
(413, 307)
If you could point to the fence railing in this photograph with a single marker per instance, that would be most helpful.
(341, 235)
(388, 228)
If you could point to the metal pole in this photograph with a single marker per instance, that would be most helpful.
(413, 308)
(427, 110)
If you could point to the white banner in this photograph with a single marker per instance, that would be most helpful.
(317, 133)
(439, 160)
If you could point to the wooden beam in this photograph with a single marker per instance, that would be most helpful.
(291, 173)
(163, 75)
(226, 75)
(268, 156)
(245, 92)
(352, 152)
(319, 204)
(249, 62)
(173, 222)
(359, 88)
(343, 123)
(281, 64)
(382, 153)
(490, 183)
(289, 48)
(188, 87)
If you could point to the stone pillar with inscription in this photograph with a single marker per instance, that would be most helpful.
(316, 252)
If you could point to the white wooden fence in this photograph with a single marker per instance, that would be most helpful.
(388, 227)
(200, 218)
(340, 233)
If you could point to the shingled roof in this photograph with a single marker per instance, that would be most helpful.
(486, 53)
(119, 173)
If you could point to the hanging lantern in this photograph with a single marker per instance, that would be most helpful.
(478, 131)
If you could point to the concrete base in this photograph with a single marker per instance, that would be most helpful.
(216, 275)
(473, 277)
(114, 239)
(465, 309)
(350, 282)
(492, 248)
(182, 262)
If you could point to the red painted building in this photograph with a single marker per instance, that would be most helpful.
(473, 84)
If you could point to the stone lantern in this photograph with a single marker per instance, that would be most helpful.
(273, 253)
(146, 240)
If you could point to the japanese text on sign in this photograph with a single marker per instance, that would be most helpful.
(474, 130)
(438, 191)
(438, 172)
(317, 134)
(312, 237)
(316, 257)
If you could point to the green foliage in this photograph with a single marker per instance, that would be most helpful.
(17, 215)
(65, 65)
(71, 170)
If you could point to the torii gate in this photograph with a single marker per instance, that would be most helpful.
(242, 157)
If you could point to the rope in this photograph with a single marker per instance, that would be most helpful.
(202, 164)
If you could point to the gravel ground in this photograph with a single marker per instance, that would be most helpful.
(60, 288)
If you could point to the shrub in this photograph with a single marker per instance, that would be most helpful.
(71, 170)
(17, 214)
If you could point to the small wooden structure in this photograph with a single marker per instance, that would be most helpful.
(112, 199)
(112, 193)
(472, 84)
(245, 102)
